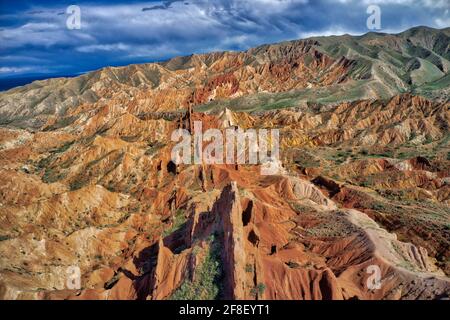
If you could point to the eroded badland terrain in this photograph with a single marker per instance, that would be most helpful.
(87, 180)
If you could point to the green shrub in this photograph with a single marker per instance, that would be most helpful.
(258, 290)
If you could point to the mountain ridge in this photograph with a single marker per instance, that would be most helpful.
(344, 70)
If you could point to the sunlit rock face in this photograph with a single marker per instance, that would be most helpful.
(361, 190)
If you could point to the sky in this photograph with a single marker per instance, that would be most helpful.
(35, 41)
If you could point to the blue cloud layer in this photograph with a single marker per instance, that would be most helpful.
(35, 41)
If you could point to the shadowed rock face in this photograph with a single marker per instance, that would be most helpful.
(87, 180)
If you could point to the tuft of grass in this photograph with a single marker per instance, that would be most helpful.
(78, 184)
(258, 291)
(51, 175)
(64, 147)
(378, 206)
(154, 147)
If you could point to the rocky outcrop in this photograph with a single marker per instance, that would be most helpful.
(228, 207)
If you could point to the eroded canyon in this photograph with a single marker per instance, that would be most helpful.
(87, 178)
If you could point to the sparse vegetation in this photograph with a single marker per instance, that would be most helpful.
(378, 206)
(153, 147)
(310, 217)
(64, 147)
(178, 220)
(52, 175)
(258, 291)
(77, 184)
(206, 283)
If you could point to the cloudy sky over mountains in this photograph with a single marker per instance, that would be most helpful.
(35, 40)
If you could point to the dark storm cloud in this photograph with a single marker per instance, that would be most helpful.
(35, 39)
